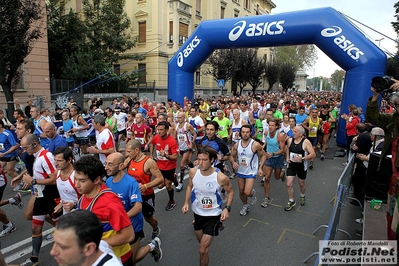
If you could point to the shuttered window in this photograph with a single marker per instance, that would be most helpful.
(170, 31)
(183, 32)
(142, 32)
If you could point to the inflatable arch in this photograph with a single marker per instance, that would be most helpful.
(324, 27)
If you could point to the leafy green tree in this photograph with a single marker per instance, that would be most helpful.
(243, 60)
(272, 72)
(97, 40)
(20, 28)
(66, 33)
(337, 79)
(287, 75)
(220, 65)
(301, 56)
(257, 68)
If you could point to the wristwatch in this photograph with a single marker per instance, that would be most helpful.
(34, 182)
(228, 208)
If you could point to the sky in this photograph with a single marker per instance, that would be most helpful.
(377, 15)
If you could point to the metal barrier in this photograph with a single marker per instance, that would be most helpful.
(341, 195)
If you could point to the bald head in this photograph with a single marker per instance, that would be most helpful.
(134, 144)
(116, 157)
(49, 129)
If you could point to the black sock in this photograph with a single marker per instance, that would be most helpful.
(191, 165)
(171, 194)
(36, 245)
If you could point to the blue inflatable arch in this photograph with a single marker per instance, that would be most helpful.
(324, 27)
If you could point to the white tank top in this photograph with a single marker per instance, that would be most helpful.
(205, 196)
(247, 160)
(235, 129)
(79, 133)
(244, 116)
(183, 137)
(67, 189)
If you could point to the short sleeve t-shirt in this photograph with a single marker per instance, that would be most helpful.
(105, 140)
(170, 146)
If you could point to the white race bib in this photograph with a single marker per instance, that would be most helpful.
(294, 155)
(243, 161)
(207, 202)
(141, 140)
(182, 138)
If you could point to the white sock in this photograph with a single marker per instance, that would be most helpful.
(11, 200)
(302, 195)
(152, 246)
(9, 224)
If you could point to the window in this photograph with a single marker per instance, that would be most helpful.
(198, 77)
(142, 72)
(142, 32)
(222, 12)
(171, 31)
(198, 7)
(246, 5)
(183, 33)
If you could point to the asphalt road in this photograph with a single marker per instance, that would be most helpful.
(265, 236)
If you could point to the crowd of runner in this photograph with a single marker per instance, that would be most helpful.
(69, 158)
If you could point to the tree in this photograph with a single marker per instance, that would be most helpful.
(243, 60)
(272, 72)
(97, 41)
(20, 28)
(257, 68)
(287, 75)
(301, 56)
(221, 67)
(337, 78)
(66, 33)
(393, 67)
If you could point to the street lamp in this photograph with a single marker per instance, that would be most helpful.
(379, 41)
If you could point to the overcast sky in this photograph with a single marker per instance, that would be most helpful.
(377, 15)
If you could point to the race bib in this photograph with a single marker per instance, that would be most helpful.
(221, 128)
(37, 191)
(236, 135)
(182, 137)
(294, 155)
(129, 134)
(243, 161)
(141, 140)
(208, 201)
(214, 113)
(1, 146)
(160, 157)
(150, 120)
(120, 126)
(313, 129)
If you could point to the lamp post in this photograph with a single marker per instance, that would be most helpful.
(379, 41)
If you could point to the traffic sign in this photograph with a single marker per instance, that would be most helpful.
(221, 83)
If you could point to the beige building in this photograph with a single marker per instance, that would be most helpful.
(162, 26)
(35, 75)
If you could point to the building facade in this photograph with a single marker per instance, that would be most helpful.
(162, 27)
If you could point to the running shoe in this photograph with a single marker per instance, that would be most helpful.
(179, 187)
(28, 262)
(262, 181)
(253, 199)
(266, 202)
(156, 233)
(8, 229)
(244, 210)
(322, 157)
(157, 252)
(311, 165)
(18, 201)
(359, 221)
(289, 205)
(50, 236)
(171, 205)
(302, 200)
(19, 188)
